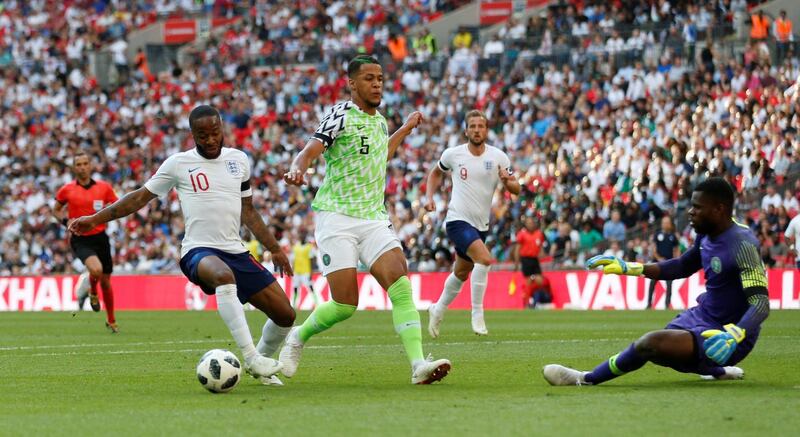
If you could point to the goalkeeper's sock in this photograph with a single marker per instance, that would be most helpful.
(313, 295)
(406, 320)
(232, 313)
(480, 275)
(295, 296)
(452, 286)
(271, 337)
(618, 365)
(323, 317)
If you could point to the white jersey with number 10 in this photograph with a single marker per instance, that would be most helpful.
(210, 192)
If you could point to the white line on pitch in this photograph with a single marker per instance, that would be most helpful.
(337, 346)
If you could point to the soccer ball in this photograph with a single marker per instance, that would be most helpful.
(219, 370)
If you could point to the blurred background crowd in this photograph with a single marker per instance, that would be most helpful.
(610, 112)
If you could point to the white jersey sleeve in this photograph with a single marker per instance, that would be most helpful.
(247, 191)
(165, 178)
(445, 162)
(505, 162)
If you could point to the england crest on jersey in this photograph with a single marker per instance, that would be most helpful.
(233, 168)
(488, 165)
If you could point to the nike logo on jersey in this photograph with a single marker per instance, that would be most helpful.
(360, 127)
(193, 169)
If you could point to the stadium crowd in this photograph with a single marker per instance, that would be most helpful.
(603, 149)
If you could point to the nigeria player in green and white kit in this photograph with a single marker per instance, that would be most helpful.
(351, 219)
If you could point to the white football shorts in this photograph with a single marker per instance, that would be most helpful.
(344, 240)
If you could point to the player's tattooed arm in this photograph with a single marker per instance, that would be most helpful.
(253, 220)
(123, 207)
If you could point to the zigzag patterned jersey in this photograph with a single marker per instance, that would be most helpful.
(356, 150)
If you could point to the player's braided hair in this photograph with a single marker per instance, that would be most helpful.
(355, 64)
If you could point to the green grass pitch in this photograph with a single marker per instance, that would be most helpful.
(67, 375)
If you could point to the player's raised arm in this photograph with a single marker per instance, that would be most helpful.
(59, 213)
(252, 219)
(435, 177)
(127, 205)
(400, 134)
(675, 268)
(296, 174)
(510, 183)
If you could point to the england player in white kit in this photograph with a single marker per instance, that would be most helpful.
(213, 185)
(476, 168)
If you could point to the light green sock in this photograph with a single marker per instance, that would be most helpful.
(323, 317)
(406, 319)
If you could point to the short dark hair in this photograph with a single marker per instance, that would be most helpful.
(201, 112)
(355, 64)
(80, 153)
(718, 189)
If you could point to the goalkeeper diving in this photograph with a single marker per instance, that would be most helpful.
(712, 337)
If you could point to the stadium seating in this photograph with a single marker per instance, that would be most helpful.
(630, 121)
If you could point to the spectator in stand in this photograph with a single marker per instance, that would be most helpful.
(772, 198)
(759, 27)
(666, 247)
(782, 29)
(614, 229)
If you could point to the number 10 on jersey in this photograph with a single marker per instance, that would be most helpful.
(199, 182)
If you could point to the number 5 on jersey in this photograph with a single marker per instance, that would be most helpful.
(199, 182)
(364, 150)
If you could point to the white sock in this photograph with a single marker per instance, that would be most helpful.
(452, 286)
(480, 274)
(271, 337)
(232, 312)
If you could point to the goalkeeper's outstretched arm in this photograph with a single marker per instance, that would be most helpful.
(676, 268)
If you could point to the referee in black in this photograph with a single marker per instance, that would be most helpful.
(666, 241)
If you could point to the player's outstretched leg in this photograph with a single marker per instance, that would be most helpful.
(390, 271)
(215, 273)
(272, 301)
(669, 348)
(344, 287)
(108, 300)
(452, 286)
(478, 280)
(82, 287)
(321, 319)
(95, 270)
(480, 255)
(407, 325)
(723, 373)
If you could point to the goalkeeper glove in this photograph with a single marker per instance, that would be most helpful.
(719, 345)
(615, 266)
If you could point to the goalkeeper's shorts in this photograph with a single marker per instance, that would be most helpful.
(692, 320)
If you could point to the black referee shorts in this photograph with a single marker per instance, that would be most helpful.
(93, 245)
(530, 266)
